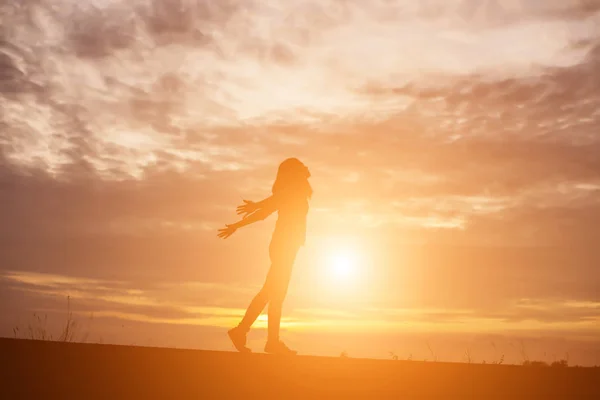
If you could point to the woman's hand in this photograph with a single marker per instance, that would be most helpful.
(227, 231)
(247, 208)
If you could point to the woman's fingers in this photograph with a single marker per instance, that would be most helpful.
(246, 206)
(244, 210)
(226, 232)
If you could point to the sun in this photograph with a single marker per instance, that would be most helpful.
(343, 264)
(340, 266)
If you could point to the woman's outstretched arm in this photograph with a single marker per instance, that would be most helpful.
(250, 206)
(256, 216)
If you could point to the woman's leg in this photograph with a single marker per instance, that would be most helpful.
(265, 295)
(278, 283)
(273, 292)
(238, 334)
(257, 305)
(276, 304)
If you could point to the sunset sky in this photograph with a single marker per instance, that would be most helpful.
(454, 148)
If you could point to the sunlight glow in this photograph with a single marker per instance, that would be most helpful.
(342, 273)
(343, 266)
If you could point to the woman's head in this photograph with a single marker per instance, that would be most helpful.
(292, 175)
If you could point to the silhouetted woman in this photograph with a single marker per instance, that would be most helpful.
(291, 192)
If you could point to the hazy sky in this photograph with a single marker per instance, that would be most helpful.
(454, 148)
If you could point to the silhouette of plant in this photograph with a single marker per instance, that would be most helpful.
(557, 364)
(35, 331)
(523, 352)
(560, 364)
(500, 360)
(433, 355)
(528, 363)
(37, 328)
(394, 356)
(468, 355)
(344, 354)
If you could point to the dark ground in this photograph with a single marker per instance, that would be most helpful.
(51, 370)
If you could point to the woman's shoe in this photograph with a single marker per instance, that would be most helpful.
(279, 348)
(238, 338)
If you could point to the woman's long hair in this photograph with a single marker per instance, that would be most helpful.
(292, 177)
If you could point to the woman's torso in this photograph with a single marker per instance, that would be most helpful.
(290, 228)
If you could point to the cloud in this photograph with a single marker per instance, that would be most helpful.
(171, 304)
(153, 300)
(145, 81)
